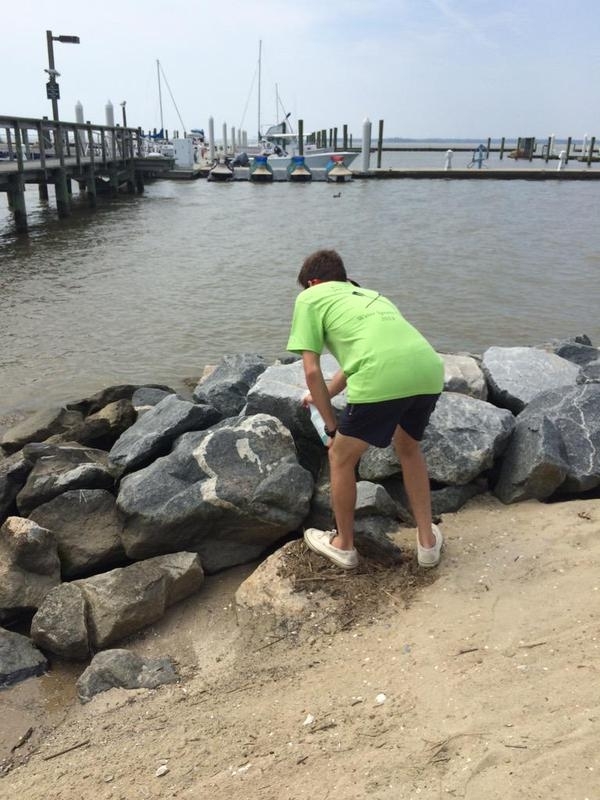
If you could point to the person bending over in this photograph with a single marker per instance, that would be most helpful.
(393, 378)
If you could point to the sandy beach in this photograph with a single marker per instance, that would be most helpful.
(482, 683)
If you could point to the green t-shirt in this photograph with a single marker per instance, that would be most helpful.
(382, 355)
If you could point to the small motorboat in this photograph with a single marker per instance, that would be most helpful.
(297, 170)
(260, 170)
(221, 171)
(337, 170)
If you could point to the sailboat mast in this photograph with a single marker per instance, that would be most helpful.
(162, 126)
(259, 78)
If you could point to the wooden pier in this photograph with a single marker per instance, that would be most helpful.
(99, 158)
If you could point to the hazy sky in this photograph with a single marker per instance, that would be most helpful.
(428, 68)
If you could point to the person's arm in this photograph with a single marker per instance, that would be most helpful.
(337, 384)
(317, 387)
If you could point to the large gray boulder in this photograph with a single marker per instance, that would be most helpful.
(19, 659)
(93, 613)
(463, 374)
(125, 600)
(578, 350)
(555, 446)
(103, 428)
(111, 394)
(227, 385)
(87, 529)
(515, 375)
(39, 426)
(59, 468)
(13, 475)
(464, 438)
(29, 567)
(153, 434)
(279, 391)
(226, 493)
(145, 398)
(60, 625)
(122, 669)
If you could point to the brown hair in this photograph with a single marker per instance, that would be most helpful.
(324, 265)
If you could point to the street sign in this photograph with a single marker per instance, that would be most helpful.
(52, 90)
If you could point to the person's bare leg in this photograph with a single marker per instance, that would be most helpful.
(344, 454)
(416, 483)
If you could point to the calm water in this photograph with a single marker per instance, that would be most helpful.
(152, 288)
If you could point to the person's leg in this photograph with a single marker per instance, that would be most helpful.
(416, 483)
(344, 454)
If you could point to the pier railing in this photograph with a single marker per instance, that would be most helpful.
(39, 140)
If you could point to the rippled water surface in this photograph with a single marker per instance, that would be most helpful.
(153, 287)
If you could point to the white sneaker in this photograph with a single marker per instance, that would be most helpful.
(320, 542)
(430, 556)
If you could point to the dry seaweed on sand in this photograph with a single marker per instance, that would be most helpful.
(359, 593)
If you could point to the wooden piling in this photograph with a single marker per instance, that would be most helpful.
(502, 148)
(335, 134)
(43, 191)
(592, 143)
(16, 202)
(569, 141)
(379, 143)
(345, 137)
(548, 145)
(301, 137)
(488, 148)
(62, 194)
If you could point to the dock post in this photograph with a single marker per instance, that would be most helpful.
(592, 143)
(16, 202)
(232, 140)
(345, 137)
(139, 182)
(113, 180)
(562, 157)
(489, 144)
(548, 146)
(502, 148)
(43, 191)
(379, 143)
(366, 144)
(351, 141)
(448, 161)
(211, 139)
(335, 132)
(300, 137)
(225, 138)
(569, 140)
(323, 138)
(62, 193)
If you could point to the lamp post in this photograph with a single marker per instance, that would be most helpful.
(53, 93)
(52, 87)
(123, 104)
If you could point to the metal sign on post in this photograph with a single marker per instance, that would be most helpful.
(52, 90)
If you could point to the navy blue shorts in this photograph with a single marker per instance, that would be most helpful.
(375, 423)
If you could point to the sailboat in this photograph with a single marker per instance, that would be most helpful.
(280, 144)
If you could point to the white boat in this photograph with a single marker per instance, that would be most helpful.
(279, 143)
